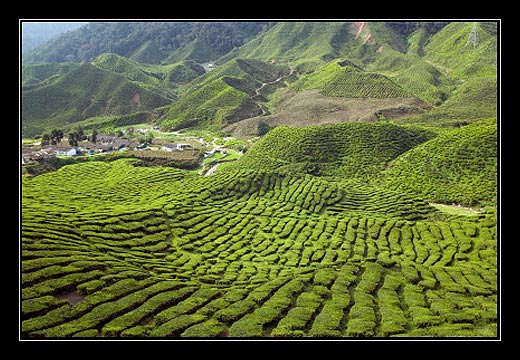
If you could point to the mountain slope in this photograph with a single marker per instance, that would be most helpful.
(474, 99)
(82, 93)
(222, 96)
(465, 49)
(349, 150)
(339, 79)
(458, 166)
(35, 34)
(310, 44)
(149, 42)
(35, 74)
(162, 79)
(438, 73)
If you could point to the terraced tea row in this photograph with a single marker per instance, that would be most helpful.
(99, 297)
(260, 255)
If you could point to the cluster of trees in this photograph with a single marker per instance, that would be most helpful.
(55, 136)
(76, 135)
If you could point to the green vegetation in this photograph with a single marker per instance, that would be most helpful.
(222, 96)
(351, 150)
(346, 81)
(466, 49)
(379, 220)
(148, 42)
(309, 45)
(459, 166)
(475, 99)
(161, 252)
(82, 93)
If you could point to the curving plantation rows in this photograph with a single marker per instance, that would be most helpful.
(255, 255)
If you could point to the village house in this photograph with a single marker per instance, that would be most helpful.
(181, 147)
(169, 147)
(60, 150)
(106, 143)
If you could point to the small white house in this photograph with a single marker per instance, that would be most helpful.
(70, 152)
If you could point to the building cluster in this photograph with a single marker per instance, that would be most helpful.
(104, 144)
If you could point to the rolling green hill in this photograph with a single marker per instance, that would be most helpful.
(465, 49)
(459, 166)
(339, 79)
(34, 75)
(222, 96)
(82, 93)
(340, 221)
(472, 100)
(450, 67)
(350, 150)
(160, 253)
(161, 79)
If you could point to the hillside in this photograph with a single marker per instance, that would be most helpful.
(306, 73)
(459, 166)
(350, 150)
(162, 79)
(248, 254)
(311, 44)
(342, 80)
(415, 71)
(222, 96)
(465, 49)
(84, 92)
(33, 75)
(335, 93)
(149, 42)
(35, 34)
(474, 99)
(356, 198)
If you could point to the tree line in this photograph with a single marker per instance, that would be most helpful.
(55, 136)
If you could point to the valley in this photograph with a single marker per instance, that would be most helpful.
(261, 180)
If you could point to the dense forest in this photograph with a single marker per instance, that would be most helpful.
(125, 38)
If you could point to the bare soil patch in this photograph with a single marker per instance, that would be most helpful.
(310, 107)
(73, 297)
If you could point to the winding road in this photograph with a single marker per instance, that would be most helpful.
(257, 90)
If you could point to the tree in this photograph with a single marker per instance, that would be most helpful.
(56, 136)
(93, 137)
(263, 128)
(46, 139)
(74, 137)
(79, 131)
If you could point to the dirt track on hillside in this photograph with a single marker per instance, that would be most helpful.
(310, 107)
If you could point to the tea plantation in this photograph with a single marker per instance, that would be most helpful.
(113, 249)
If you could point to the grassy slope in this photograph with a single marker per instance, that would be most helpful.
(153, 251)
(82, 93)
(450, 50)
(475, 99)
(350, 150)
(36, 74)
(472, 65)
(346, 81)
(148, 53)
(147, 76)
(221, 96)
(458, 166)
(308, 45)
(271, 250)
